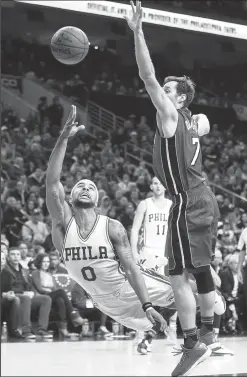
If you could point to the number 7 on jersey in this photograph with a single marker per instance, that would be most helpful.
(195, 141)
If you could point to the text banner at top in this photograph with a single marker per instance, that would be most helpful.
(152, 16)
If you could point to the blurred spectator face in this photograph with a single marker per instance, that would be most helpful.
(244, 218)
(69, 181)
(54, 261)
(126, 178)
(36, 216)
(19, 186)
(106, 202)
(14, 256)
(220, 199)
(18, 205)
(118, 194)
(4, 248)
(34, 190)
(134, 195)
(33, 197)
(35, 147)
(19, 162)
(24, 250)
(233, 263)
(112, 213)
(11, 201)
(45, 263)
(30, 205)
(124, 201)
(39, 250)
(39, 173)
(218, 258)
(3, 259)
(130, 209)
(217, 179)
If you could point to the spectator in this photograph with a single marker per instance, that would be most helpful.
(217, 261)
(34, 229)
(55, 264)
(17, 169)
(20, 192)
(42, 108)
(10, 308)
(36, 178)
(13, 220)
(231, 288)
(14, 278)
(44, 285)
(25, 259)
(55, 112)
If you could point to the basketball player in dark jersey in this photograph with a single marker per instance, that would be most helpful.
(192, 224)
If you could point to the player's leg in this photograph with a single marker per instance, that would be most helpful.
(181, 245)
(205, 282)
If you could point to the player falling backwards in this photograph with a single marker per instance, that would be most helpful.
(94, 248)
(192, 224)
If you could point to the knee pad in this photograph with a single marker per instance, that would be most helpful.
(220, 303)
(204, 281)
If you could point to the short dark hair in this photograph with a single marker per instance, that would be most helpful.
(54, 253)
(39, 259)
(184, 86)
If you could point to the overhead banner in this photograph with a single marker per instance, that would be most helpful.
(152, 16)
(12, 82)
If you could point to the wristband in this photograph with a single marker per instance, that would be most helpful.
(146, 305)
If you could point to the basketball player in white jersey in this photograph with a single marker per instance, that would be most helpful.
(152, 213)
(95, 247)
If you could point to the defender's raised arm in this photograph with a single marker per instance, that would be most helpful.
(166, 110)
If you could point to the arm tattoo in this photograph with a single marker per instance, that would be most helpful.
(120, 239)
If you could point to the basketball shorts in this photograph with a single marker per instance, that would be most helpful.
(124, 306)
(192, 230)
(153, 258)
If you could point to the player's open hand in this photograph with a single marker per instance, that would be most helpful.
(154, 316)
(70, 128)
(135, 21)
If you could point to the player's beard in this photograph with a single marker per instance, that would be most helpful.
(85, 205)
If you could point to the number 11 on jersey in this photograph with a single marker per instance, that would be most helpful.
(160, 230)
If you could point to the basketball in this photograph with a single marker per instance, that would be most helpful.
(69, 45)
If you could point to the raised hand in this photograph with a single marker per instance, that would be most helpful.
(135, 21)
(70, 128)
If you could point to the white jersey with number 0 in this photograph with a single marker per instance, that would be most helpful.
(155, 224)
(92, 261)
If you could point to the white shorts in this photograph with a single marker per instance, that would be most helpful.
(153, 258)
(125, 307)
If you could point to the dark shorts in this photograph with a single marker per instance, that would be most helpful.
(192, 230)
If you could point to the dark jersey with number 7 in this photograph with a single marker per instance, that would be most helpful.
(177, 161)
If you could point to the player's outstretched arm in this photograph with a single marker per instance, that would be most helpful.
(58, 208)
(137, 223)
(120, 242)
(163, 104)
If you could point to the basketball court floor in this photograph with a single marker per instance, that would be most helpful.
(112, 358)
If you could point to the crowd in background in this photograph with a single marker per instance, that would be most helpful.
(215, 85)
(122, 183)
